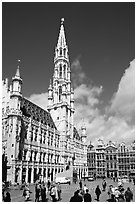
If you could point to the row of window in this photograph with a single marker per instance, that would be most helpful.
(62, 52)
(111, 165)
(46, 137)
(111, 157)
(40, 157)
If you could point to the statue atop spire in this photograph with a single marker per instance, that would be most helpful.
(62, 20)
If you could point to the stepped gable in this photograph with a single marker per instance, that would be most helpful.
(75, 134)
(37, 113)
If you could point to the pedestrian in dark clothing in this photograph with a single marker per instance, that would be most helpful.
(80, 184)
(97, 192)
(87, 196)
(43, 193)
(76, 197)
(3, 191)
(128, 195)
(48, 184)
(37, 192)
(7, 198)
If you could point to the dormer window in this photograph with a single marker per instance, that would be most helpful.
(64, 51)
(60, 51)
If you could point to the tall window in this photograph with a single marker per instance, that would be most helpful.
(60, 93)
(64, 51)
(60, 51)
(60, 71)
(64, 71)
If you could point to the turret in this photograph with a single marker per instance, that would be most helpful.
(72, 99)
(50, 93)
(16, 89)
(83, 133)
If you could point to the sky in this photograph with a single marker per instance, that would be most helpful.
(101, 41)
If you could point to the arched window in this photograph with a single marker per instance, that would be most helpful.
(64, 51)
(60, 51)
(64, 71)
(60, 93)
(60, 71)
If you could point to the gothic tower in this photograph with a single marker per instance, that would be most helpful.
(14, 121)
(61, 94)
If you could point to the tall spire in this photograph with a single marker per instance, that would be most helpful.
(61, 38)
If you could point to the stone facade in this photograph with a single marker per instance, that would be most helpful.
(39, 143)
(111, 160)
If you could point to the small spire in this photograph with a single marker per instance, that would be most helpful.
(61, 38)
(18, 67)
(50, 85)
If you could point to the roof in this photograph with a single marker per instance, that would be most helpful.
(32, 110)
(76, 134)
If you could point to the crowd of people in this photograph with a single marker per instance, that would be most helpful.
(115, 194)
(45, 192)
(82, 194)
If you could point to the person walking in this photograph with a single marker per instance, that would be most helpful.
(104, 184)
(48, 184)
(59, 190)
(87, 196)
(97, 192)
(76, 197)
(85, 188)
(54, 193)
(26, 192)
(7, 198)
(37, 192)
(43, 193)
(128, 195)
(80, 184)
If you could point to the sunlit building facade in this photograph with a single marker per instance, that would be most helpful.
(111, 160)
(40, 143)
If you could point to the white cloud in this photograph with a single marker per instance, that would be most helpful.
(123, 101)
(78, 76)
(114, 125)
(40, 99)
(110, 128)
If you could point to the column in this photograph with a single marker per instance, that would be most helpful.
(42, 177)
(20, 175)
(32, 175)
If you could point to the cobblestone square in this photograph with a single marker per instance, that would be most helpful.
(68, 191)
